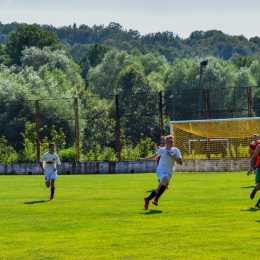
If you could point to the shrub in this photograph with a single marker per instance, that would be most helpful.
(7, 152)
(67, 155)
(98, 154)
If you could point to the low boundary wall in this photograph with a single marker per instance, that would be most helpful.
(220, 165)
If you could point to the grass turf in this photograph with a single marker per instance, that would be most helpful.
(201, 216)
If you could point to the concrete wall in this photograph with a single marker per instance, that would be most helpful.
(220, 165)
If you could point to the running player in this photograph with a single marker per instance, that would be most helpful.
(51, 164)
(169, 155)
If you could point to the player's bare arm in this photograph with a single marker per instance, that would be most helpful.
(152, 157)
(41, 164)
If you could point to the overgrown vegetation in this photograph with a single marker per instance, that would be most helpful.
(8, 154)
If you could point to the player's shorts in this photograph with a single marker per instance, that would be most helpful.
(50, 175)
(257, 175)
(160, 174)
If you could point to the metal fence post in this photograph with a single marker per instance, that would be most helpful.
(161, 113)
(118, 148)
(38, 144)
(76, 111)
(249, 101)
(207, 107)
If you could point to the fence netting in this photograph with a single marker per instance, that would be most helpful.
(90, 124)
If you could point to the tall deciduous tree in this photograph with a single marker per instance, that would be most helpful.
(92, 58)
(26, 37)
(4, 58)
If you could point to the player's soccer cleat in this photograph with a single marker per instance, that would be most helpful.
(51, 198)
(155, 202)
(257, 205)
(252, 195)
(146, 203)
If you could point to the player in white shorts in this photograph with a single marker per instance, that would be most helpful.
(49, 163)
(169, 155)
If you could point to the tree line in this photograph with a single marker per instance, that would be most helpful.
(215, 43)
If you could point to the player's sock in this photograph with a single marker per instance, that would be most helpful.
(52, 191)
(160, 192)
(152, 195)
(255, 188)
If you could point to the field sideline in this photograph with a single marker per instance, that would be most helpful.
(201, 216)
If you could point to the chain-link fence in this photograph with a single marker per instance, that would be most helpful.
(122, 119)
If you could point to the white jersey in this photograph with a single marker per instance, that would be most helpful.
(167, 163)
(51, 160)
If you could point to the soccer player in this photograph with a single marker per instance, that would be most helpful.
(255, 157)
(253, 145)
(169, 155)
(51, 165)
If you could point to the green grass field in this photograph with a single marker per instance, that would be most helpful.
(201, 216)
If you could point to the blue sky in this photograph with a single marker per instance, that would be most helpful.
(233, 17)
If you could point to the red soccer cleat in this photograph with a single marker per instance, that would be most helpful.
(146, 203)
(155, 202)
(51, 198)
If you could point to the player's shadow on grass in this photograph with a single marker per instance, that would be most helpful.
(250, 209)
(36, 201)
(152, 211)
(247, 187)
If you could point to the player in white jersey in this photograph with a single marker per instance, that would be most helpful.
(169, 155)
(49, 163)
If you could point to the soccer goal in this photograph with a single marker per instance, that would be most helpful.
(215, 138)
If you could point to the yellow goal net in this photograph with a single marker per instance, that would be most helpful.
(215, 138)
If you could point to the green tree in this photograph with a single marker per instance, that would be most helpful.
(28, 84)
(241, 61)
(4, 58)
(146, 147)
(103, 78)
(58, 137)
(28, 154)
(7, 152)
(53, 61)
(99, 122)
(135, 103)
(96, 53)
(255, 71)
(220, 77)
(29, 36)
(92, 58)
